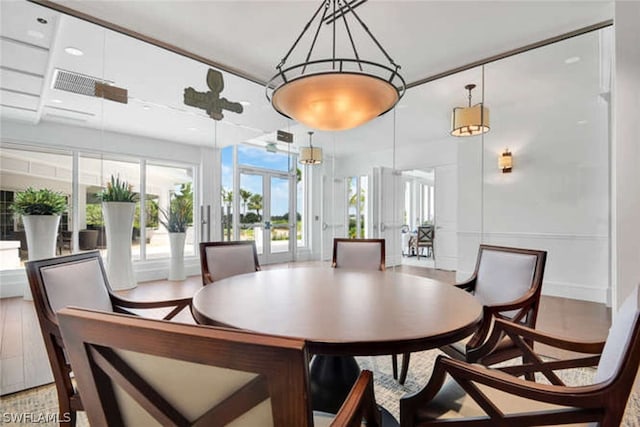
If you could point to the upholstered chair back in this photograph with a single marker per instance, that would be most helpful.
(621, 337)
(183, 385)
(225, 259)
(362, 254)
(504, 276)
(80, 284)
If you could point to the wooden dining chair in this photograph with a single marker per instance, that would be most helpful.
(479, 396)
(424, 240)
(508, 282)
(365, 254)
(78, 280)
(224, 259)
(141, 372)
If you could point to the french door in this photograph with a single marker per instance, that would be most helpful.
(267, 213)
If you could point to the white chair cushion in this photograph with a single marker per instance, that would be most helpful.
(503, 277)
(453, 402)
(230, 260)
(191, 388)
(358, 255)
(619, 337)
(78, 284)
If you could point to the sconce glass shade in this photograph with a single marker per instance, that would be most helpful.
(335, 101)
(310, 155)
(469, 121)
(505, 162)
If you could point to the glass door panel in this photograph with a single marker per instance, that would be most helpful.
(265, 206)
(251, 196)
(280, 219)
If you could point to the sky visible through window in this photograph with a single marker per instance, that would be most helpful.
(259, 158)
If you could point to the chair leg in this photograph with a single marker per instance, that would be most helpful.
(394, 365)
(405, 368)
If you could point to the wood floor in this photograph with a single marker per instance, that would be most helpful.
(24, 364)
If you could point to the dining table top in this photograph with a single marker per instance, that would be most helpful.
(342, 311)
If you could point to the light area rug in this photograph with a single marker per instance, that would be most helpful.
(41, 402)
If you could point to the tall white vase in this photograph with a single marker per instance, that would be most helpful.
(176, 267)
(118, 220)
(42, 236)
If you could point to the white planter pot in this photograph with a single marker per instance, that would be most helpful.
(176, 267)
(42, 236)
(118, 220)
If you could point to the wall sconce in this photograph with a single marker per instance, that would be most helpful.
(505, 161)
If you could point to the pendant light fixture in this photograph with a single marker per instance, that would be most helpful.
(310, 155)
(335, 93)
(470, 120)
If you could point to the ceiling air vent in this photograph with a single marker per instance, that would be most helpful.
(88, 85)
(75, 82)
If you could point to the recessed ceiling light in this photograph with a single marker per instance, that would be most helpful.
(582, 122)
(35, 34)
(146, 107)
(572, 60)
(73, 51)
(192, 129)
(245, 103)
(42, 21)
(56, 101)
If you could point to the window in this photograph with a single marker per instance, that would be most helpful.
(23, 168)
(163, 185)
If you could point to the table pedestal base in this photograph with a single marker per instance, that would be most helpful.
(331, 379)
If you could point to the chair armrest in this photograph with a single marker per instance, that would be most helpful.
(590, 396)
(360, 403)
(502, 327)
(524, 301)
(491, 312)
(178, 303)
(524, 339)
(468, 285)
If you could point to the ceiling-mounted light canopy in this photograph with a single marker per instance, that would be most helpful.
(335, 93)
(470, 120)
(310, 155)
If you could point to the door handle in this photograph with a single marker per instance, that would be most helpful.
(267, 225)
(382, 227)
(324, 226)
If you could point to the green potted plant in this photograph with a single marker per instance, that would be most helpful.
(176, 219)
(118, 208)
(40, 211)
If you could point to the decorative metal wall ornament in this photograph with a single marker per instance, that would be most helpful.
(211, 101)
(335, 93)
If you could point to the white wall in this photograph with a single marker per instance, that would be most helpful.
(555, 199)
(626, 150)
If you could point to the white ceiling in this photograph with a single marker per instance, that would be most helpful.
(424, 37)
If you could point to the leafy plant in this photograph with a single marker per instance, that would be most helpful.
(94, 215)
(39, 202)
(117, 191)
(179, 215)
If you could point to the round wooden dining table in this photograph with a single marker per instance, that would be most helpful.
(341, 312)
